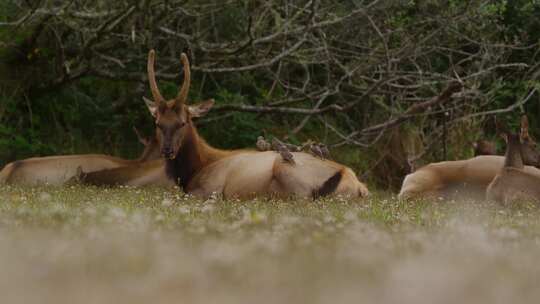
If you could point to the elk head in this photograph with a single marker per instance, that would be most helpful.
(521, 149)
(151, 146)
(173, 117)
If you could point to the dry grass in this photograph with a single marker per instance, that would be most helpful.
(88, 245)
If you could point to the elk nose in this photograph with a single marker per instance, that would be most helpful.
(167, 152)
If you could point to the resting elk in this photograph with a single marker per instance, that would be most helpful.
(145, 173)
(57, 170)
(468, 177)
(513, 182)
(149, 173)
(202, 170)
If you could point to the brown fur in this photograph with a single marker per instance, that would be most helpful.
(328, 186)
(142, 173)
(151, 150)
(193, 156)
(203, 170)
(513, 182)
(460, 176)
(57, 170)
(468, 178)
(149, 173)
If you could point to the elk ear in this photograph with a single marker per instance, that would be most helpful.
(152, 107)
(201, 108)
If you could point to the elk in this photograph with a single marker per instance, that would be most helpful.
(57, 170)
(513, 182)
(149, 173)
(470, 176)
(151, 147)
(143, 173)
(202, 170)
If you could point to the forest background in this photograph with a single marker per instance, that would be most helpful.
(369, 78)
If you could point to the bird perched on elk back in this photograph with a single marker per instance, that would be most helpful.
(262, 144)
(279, 147)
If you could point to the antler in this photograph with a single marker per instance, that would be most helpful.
(158, 98)
(182, 95)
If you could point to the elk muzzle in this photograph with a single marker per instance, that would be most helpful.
(168, 152)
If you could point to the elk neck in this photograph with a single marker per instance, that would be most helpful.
(512, 157)
(193, 156)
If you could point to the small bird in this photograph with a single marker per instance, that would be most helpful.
(287, 156)
(306, 145)
(316, 150)
(324, 150)
(262, 144)
(277, 144)
(279, 147)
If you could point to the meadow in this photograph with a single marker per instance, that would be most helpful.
(127, 245)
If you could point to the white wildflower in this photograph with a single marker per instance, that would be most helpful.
(207, 208)
(184, 210)
(44, 197)
(167, 202)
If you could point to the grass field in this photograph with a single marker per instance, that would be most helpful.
(126, 245)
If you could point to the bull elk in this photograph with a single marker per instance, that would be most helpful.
(57, 170)
(513, 182)
(202, 170)
(144, 173)
(469, 177)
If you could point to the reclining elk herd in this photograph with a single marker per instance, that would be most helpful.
(178, 155)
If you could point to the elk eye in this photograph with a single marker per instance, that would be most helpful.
(179, 125)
